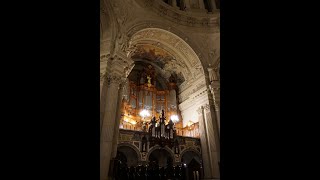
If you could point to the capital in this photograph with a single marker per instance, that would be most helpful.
(105, 58)
(114, 79)
(102, 77)
(207, 107)
(199, 110)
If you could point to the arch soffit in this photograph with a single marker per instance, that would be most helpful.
(132, 147)
(157, 147)
(138, 26)
(188, 150)
(186, 60)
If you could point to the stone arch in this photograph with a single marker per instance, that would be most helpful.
(107, 28)
(133, 147)
(185, 60)
(158, 147)
(187, 150)
(138, 26)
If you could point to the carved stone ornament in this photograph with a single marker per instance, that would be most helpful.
(207, 107)
(104, 58)
(217, 105)
(128, 69)
(148, 3)
(199, 110)
(114, 80)
(102, 77)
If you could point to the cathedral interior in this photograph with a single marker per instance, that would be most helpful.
(159, 89)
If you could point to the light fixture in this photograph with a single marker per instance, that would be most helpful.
(144, 113)
(174, 118)
(189, 123)
(130, 121)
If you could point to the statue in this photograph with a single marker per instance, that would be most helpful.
(149, 81)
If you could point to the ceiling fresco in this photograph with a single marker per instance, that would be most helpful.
(152, 53)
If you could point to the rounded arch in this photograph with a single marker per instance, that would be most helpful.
(138, 26)
(185, 60)
(188, 150)
(158, 147)
(132, 147)
(107, 28)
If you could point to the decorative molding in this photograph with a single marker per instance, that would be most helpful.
(199, 110)
(138, 26)
(148, 3)
(114, 80)
(184, 60)
(206, 107)
(185, 18)
(102, 77)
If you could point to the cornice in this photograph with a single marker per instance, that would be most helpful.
(185, 18)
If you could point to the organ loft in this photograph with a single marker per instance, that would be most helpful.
(147, 98)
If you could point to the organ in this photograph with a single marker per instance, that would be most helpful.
(148, 91)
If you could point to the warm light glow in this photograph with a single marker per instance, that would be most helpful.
(189, 123)
(174, 118)
(130, 121)
(144, 113)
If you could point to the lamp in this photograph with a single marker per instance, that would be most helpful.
(144, 113)
(174, 118)
(189, 123)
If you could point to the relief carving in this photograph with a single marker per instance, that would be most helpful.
(199, 110)
(102, 77)
(114, 80)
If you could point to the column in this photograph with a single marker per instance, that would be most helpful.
(116, 127)
(201, 4)
(174, 3)
(117, 123)
(104, 62)
(103, 93)
(108, 124)
(213, 4)
(215, 90)
(213, 136)
(204, 144)
(186, 3)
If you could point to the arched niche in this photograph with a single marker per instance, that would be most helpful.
(189, 150)
(131, 152)
(157, 147)
(162, 156)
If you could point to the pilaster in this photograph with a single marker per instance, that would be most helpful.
(108, 124)
(204, 143)
(113, 73)
(213, 138)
